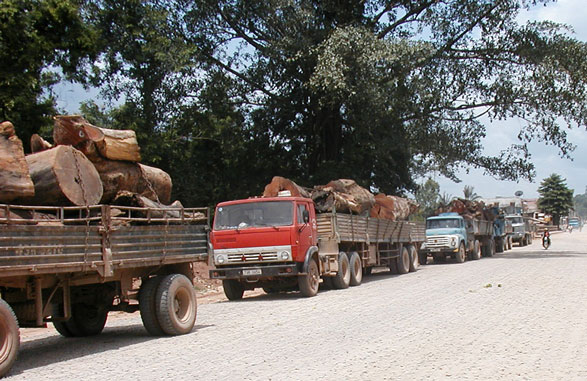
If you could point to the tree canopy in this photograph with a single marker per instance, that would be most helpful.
(555, 197)
(226, 94)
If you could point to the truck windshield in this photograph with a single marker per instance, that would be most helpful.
(516, 220)
(254, 214)
(441, 224)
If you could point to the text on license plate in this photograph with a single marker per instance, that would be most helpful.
(252, 272)
(435, 249)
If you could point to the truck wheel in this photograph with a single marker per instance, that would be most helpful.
(403, 261)
(367, 270)
(310, 283)
(147, 305)
(87, 320)
(9, 337)
(356, 269)
(499, 245)
(60, 326)
(233, 289)
(461, 254)
(342, 278)
(529, 239)
(490, 249)
(177, 307)
(414, 258)
(422, 258)
(476, 254)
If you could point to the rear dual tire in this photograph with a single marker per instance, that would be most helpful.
(9, 338)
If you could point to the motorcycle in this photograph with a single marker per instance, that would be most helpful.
(546, 242)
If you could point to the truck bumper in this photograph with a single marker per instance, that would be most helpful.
(261, 272)
(439, 251)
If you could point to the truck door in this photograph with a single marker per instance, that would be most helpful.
(305, 235)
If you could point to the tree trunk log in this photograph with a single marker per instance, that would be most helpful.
(63, 176)
(39, 144)
(279, 184)
(344, 196)
(111, 144)
(141, 179)
(15, 180)
(393, 207)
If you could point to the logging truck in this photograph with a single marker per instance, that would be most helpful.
(72, 265)
(452, 235)
(282, 244)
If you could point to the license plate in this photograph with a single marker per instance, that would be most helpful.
(436, 250)
(252, 272)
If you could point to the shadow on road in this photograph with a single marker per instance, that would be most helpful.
(543, 254)
(41, 352)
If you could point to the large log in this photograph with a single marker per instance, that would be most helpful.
(141, 179)
(152, 208)
(344, 196)
(15, 181)
(39, 144)
(279, 184)
(63, 176)
(112, 144)
(393, 207)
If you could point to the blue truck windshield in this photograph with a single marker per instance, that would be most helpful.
(443, 224)
(254, 214)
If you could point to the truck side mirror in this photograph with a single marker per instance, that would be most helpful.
(306, 216)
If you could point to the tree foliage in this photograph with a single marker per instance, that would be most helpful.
(41, 41)
(469, 193)
(580, 204)
(555, 197)
(427, 196)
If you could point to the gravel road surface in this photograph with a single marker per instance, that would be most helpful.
(520, 315)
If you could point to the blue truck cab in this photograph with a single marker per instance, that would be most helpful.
(445, 234)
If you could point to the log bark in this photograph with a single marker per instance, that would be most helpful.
(39, 144)
(393, 207)
(158, 210)
(111, 144)
(279, 184)
(344, 195)
(63, 176)
(15, 180)
(141, 179)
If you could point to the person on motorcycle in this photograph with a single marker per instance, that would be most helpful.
(546, 238)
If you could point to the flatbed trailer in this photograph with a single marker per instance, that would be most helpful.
(72, 265)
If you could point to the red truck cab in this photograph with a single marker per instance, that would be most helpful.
(261, 242)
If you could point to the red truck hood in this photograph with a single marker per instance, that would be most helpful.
(253, 237)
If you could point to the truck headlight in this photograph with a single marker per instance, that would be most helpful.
(284, 255)
(453, 241)
(221, 259)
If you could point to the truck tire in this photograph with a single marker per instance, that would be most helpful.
(147, 305)
(499, 245)
(461, 255)
(310, 283)
(86, 320)
(356, 269)
(9, 338)
(422, 258)
(233, 289)
(367, 270)
(342, 279)
(403, 261)
(177, 307)
(476, 254)
(60, 326)
(529, 239)
(414, 259)
(490, 249)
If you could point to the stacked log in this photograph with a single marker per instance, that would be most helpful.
(346, 196)
(469, 209)
(63, 176)
(15, 180)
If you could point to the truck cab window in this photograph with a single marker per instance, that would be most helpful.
(301, 209)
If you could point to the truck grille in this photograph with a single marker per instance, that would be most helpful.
(252, 257)
(437, 242)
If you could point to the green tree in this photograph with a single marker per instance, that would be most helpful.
(469, 193)
(555, 197)
(580, 204)
(427, 196)
(41, 41)
(381, 90)
(444, 200)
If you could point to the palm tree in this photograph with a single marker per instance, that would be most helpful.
(444, 200)
(469, 193)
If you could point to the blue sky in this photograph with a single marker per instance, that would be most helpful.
(503, 133)
(500, 134)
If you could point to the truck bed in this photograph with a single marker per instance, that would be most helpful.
(352, 228)
(90, 240)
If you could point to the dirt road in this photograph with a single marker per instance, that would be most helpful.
(519, 315)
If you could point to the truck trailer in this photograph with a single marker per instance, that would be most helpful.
(82, 262)
(282, 243)
(452, 235)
